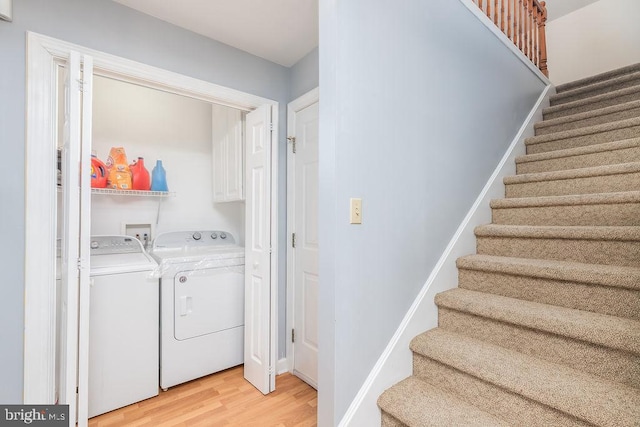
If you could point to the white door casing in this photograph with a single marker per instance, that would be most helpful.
(258, 362)
(43, 55)
(302, 216)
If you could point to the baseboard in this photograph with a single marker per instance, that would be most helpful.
(395, 362)
(282, 366)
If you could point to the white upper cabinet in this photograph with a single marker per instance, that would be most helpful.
(228, 154)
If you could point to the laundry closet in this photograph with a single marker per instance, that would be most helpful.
(200, 145)
(158, 125)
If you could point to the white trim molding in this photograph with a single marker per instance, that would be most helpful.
(43, 56)
(395, 363)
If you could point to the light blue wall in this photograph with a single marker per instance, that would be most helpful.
(419, 103)
(109, 27)
(305, 75)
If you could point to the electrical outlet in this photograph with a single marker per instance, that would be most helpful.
(355, 210)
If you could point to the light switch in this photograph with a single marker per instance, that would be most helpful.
(356, 210)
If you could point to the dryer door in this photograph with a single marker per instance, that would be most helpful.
(207, 301)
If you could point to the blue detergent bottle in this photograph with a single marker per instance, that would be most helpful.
(159, 178)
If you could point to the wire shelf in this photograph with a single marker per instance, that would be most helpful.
(139, 193)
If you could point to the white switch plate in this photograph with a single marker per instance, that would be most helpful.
(355, 210)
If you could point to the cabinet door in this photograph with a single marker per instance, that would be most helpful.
(235, 156)
(219, 124)
(228, 154)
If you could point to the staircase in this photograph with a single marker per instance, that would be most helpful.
(544, 328)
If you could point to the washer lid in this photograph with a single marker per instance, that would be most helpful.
(121, 263)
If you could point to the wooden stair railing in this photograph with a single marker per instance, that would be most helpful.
(523, 22)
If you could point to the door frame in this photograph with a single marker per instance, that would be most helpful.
(44, 54)
(293, 108)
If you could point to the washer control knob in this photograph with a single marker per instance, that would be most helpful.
(214, 235)
(197, 236)
(94, 244)
(223, 235)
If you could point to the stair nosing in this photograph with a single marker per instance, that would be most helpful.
(591, 100)
(565, 174)
(528, 376)
(417, 385)
(604, 111)
(578, 151)
(613, 276)
(620, 233)
(604, 76)
(571, 323)
(584, 131)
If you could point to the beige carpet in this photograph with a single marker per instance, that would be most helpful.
(544, 327)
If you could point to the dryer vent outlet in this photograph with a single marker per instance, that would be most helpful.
(141, 232)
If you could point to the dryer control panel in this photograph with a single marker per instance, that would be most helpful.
(194, 239)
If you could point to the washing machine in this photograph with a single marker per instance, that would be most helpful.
(123, 324)
(201, 304)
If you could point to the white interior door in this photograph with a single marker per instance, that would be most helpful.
(258, 363)
(76, 213)
(305, 251)
(86, 88)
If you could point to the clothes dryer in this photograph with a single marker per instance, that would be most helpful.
(201, 304)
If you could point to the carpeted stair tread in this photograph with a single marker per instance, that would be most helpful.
(595, 328)
(595, 209)
(623, 111)
(416, 403)
(609, 153)
(615, 97)
(616, 169)
(597, 88)
(597, 288)
(596, 274)
(629, 124)
(587, 81)
(568, 200)
(584, 396)
(577, 151)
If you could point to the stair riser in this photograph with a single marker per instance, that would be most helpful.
(582, 185)
(571, 294)
(563, 99)
(604, 214)
(509, 406)
(631, 154)
(585, 140)
(607, 363)
(389, 421)
(563, 112)
(624, 253)
(597, 120)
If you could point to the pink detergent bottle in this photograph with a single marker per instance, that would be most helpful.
(140, 175)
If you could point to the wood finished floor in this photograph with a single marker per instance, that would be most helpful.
(221, 399)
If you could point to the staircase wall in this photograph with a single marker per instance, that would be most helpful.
(420, 101)
(596, 38)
